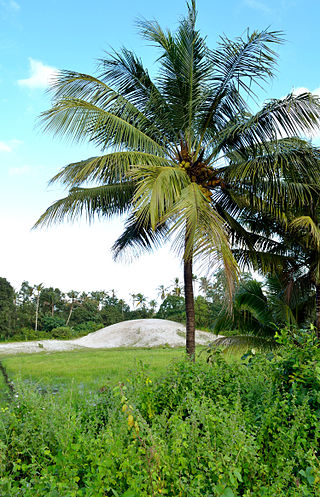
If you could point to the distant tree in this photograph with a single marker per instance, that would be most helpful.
(203, 314)
(162, 291)
(25, 306)
(38, 289)
(7, 309)
(153, 305)
(73, 296)
(99, 297)
(173, 307)
(114, 310)
(177, 288)
(86, 311)
(139, 299)
(204, 285)
(52, 299)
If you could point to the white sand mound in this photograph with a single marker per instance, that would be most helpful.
(135, 333)
(141, 333)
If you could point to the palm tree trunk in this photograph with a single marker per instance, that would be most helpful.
(70, 312)
(318, 309)
(189, 299)
(37, 312)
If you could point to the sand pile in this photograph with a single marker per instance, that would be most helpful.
(135, 333)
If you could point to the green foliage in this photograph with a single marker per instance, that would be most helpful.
(28, 334)
(243, 429)
(173, 308)
(50, 322)
(63, 332)
(6, 307)
(87, 327)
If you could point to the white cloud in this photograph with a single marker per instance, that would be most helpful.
(5, 147)
(301, 89)
(255, 4)
(78, 256)
(10, 5)
(14, 5)
(8, 146)
(19, 171)
(40, 75)
(315, 134)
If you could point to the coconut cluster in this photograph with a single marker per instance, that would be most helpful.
(201, 174)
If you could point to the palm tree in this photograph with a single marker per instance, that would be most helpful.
(176, 288)
(38, 289)
(162, 291)
(186, 147)
(73, 296)
(204, 285)
(139, 299)
(153, 305)
(306, 231)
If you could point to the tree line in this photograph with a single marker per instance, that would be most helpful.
(259, 308)
(36, 310)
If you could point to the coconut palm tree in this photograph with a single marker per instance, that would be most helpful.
(162, 291)
(176, 287)
(179, 152)
(73, 296)
(38, 289)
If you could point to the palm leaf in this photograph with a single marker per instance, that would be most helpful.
(106, 200)
(109, 168)
(242, 343)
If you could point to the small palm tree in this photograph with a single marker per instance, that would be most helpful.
(38, 289)
(162, 291)
(187, 154)
(73, 296)
(177, 288)
(306, 230)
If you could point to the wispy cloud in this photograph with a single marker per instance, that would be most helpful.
(10, 5)
(19, 171)
(302, 89)
(315, 134)
(5, 147)
(255, 4)
(9, 145)
(40, 75)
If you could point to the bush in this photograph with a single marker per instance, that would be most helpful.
(50, 322)
(26, 334)
(63, 332)
(88, 327)
(228, 429)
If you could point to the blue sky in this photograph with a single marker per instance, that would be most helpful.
(36, 38)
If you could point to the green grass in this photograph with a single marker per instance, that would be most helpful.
(89, 367)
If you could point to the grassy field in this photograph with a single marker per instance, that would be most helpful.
(92, 368)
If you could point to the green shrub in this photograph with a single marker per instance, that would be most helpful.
(26, 334)
(50, 322)
(63, 332)
(241, 429)
(87, 327)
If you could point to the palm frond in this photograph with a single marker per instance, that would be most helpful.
(108, 168)
(200, 233)
(243, 343)
(310, 228)
(106, 200)
(158, 189)
(184, 70)
(81, 120)
(138, 237)
(291, 116)
(241, 63)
